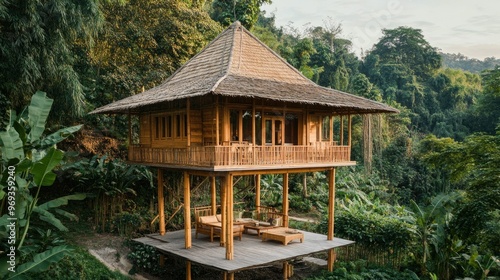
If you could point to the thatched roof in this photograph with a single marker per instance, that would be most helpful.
(236, 63)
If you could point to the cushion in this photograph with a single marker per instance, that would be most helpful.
(208, 219)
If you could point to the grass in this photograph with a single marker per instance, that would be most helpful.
(78, 266)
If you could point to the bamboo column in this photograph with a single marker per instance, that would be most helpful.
(188, 270)
(331, 216)
(223, 205)
(349, 132)
(341, 130)
(285, 199)
(187, 211)
(229, 218)
(161, 202)
(188, 120)
(257, 191)
(213, 192)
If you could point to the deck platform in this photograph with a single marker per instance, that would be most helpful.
(249, 253)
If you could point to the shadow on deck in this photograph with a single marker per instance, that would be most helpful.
(250, 252)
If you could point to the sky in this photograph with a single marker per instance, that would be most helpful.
(469, 27)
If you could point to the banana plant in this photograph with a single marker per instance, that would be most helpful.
(31, 158)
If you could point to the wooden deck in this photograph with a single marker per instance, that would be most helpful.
(250, 252)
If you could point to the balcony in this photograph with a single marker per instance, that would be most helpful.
(243, 157)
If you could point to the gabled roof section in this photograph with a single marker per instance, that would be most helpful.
(236, 63)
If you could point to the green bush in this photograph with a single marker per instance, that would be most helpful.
(80, 264)
(360, 271)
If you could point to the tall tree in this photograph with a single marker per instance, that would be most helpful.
(36, 50)
(228, 11)
(406, 46)
(489, 102)
(143, 43)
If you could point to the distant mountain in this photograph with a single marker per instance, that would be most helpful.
(474, 65)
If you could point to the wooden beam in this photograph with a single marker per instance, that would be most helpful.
(331, 259)
(285, 199)
(161, 203)
(229, 218)
(188, 270)
(342, 130)
(188, 119)
(349, 140)
(217, 119)
(331, 129)
(213, 196)
(257, 191)
(187, 210)
(223, 205)
(253, 123)
(331, 203)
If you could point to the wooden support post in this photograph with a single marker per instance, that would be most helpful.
(188, 270)
(213, 193)
(332, 256)
(331, 130)
(161, 203)
(285, 199)
(287, 270)
(349, 132)
(253, 124)
(187, 210)
(223, 206)
(162, 260)
(188, 120)
(341, 130)
(331, 216)
(229, 217)
(331, 203)
(257, 191)
(228, 275)
(217, 119)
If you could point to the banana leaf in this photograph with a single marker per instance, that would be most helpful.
(12, 145)
(42, 170)
(41, 262)
(38, 112)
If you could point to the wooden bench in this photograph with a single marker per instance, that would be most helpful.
(283, 234)
(212, 226)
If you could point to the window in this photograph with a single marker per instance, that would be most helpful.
(167, 126)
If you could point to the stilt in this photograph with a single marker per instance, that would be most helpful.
(229, 217)
(332, 256)
(223, 205)
(285, 199)
(188, 270)
(213, 195)
(257, 191)
(287, 270)
(187, 211)
(331, 203)
(331, 216)
(161, 203)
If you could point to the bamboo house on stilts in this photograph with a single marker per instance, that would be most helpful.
(235, 109)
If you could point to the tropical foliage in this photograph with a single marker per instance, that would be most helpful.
(33, 157)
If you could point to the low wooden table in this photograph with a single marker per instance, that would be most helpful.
(259, 228)
(282, 234)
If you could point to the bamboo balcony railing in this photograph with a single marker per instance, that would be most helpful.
(240, 155)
